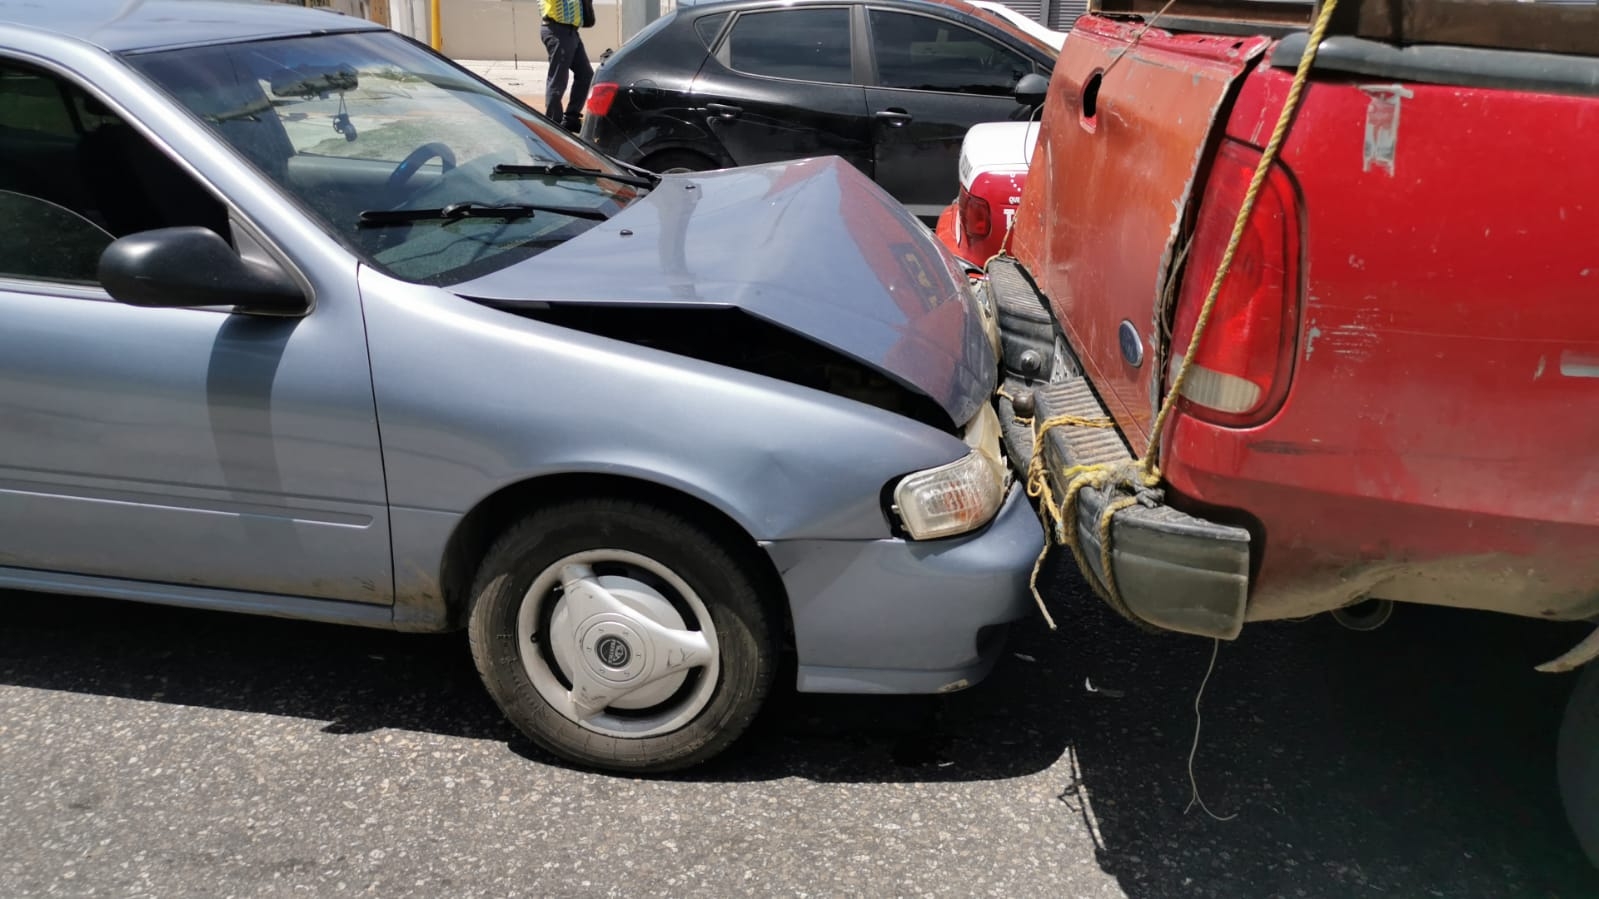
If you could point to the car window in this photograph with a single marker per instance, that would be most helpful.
(34, 103)
(802, 44)
(43, 241)
(73, 176)
(923, 53)
(708, 27)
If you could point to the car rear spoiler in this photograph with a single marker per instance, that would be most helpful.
(1544, 27)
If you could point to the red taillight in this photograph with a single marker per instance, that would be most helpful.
(976, 219)
(600, 97)
(1243, 363)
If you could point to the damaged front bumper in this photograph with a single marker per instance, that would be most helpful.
(1173, 570)
(908, 616)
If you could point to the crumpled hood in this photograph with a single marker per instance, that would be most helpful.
(811, 246)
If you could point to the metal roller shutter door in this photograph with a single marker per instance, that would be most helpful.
(1032, 9)
(1064, 12)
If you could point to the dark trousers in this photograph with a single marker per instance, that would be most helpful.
(565, 48)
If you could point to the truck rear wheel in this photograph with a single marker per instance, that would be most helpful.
(1578, 762)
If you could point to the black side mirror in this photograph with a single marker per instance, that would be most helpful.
(187, 267)
(1030, 90)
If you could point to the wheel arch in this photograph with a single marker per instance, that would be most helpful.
(656, 153)
(491, 516)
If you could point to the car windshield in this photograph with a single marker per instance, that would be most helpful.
(417, 167)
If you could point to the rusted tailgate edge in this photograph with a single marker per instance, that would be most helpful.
(1108, 192)
(1270, 17)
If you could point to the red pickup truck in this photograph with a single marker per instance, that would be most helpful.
(1397, 395)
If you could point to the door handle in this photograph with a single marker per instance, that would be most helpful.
(724, 110)
(893, 117)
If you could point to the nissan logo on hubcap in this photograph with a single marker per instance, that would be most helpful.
(613, 652)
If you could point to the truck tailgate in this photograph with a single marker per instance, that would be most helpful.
(1125, 132)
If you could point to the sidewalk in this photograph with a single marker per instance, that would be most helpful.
(522, 79)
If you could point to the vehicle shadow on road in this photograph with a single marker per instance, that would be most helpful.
(1415, 761)
(360, 680)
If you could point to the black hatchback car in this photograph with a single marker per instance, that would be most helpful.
(890, 85)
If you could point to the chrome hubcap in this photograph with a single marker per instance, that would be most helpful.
(618, 643)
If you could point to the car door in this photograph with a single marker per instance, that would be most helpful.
(781, 84)
(166, 446)
(932, 80)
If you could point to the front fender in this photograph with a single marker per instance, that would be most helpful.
(471, 399)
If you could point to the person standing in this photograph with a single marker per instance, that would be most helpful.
(562, 18)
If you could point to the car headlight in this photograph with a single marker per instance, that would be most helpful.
(950, 499)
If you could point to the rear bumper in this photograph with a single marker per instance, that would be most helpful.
(1173, 570)
(602, 133)
(900, 616)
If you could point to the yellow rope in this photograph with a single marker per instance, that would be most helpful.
(1145, 473)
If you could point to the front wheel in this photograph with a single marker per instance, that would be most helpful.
(1578, 762)
(621, 635)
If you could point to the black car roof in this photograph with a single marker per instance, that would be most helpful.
(958, 7)
(135, 25)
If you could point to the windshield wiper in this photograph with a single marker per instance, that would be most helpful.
(564, 170)
(470, 210)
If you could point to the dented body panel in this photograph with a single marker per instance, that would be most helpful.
(755, 239)
(1434, 442)
(1124, 134)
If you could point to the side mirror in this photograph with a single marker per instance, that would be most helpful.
(1030, 90)
(189, 267)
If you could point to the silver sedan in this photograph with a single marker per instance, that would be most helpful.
(301, 319)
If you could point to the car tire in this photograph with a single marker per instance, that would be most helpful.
(673, 162)
(1577, 762)
(617, 592)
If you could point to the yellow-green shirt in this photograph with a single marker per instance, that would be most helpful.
(567, 12)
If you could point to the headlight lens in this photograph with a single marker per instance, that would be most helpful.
(950, 499)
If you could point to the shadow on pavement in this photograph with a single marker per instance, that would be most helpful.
(1415, 761)
(360, 680)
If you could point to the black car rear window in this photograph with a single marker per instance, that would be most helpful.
(709, 27)
(803, 44)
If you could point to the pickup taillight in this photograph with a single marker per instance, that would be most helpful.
(1245, 359)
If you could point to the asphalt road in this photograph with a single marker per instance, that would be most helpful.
(166, 753)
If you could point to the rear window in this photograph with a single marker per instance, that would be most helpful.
(801, 44)
(709, 27)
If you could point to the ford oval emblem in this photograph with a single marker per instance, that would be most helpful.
(1132, 345)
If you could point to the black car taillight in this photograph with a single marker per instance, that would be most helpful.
(1243, 363)
(600, 98)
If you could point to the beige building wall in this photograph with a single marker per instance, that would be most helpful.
(483, 29)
